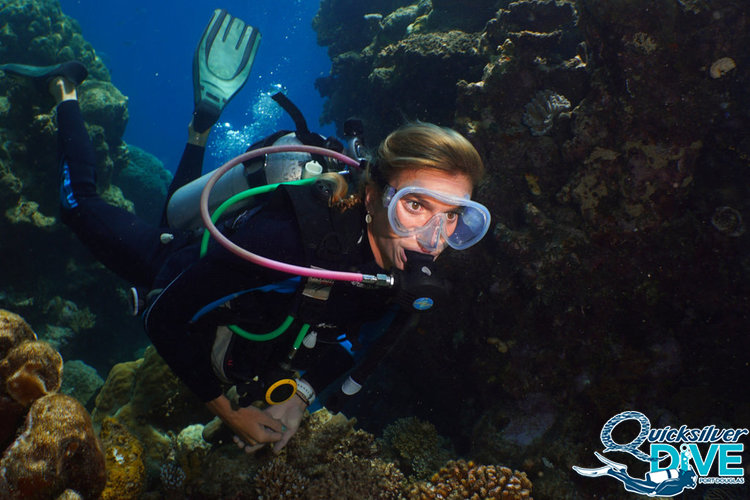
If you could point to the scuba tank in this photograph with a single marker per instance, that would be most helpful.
(183, 208)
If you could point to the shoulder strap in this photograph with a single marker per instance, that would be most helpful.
(329, 235)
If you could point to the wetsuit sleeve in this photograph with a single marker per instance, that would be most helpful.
(184, 343)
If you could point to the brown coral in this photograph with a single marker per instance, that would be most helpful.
(352, 477)
(279, 480)
(57, 450)
(461, 479)
(30, 371)
(13, 331)
(322, 436)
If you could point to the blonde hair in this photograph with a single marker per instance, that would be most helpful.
(413, 145)
(426, 145)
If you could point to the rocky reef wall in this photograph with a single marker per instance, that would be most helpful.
(614, 133)
(45, 273)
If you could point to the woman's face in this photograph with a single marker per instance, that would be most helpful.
(388, 247)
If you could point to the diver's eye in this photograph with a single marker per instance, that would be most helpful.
(451, 216)
(413, 206)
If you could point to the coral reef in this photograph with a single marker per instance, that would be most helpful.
(56, 448)
(618, 255)
(38, 33)
(352, 477)
(328, 458)
(461, 479)
(407, 44)
(151, 402)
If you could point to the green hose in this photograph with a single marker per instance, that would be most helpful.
(241, 196)
(256, 337)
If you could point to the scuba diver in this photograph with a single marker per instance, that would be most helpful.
(256, 342)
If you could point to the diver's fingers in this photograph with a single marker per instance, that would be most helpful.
(272, 425)
(249, 448)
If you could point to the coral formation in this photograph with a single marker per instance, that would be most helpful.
(351, 477)
(147, 398)
(279, 480)
(80, 381)
(66, 312)
(190, 449)
(28, 211)
(328, 458)
(56, 450)
(172, 479)
(461, 479)
(14, 330)
(57, 336)
(622, 224)
(373, 66)
(145, 182)
(721, 66)
(542, 111)
(123, 453)
(31, 370)
(415, 446)
(38, 33)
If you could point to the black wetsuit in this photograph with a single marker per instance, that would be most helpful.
(200, 294)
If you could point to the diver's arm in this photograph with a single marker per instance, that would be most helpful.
(184, 343)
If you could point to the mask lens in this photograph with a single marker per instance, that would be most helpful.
(432, 215)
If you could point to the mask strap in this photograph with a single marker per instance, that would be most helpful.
(388, 193)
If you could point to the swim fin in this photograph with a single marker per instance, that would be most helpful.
(74, 71)
(221, 66)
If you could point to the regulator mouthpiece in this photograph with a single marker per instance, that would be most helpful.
(419, 288)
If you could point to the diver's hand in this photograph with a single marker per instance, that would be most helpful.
(250, 424)
(289, 413)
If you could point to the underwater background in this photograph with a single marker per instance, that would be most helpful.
(615, 277)
(148, 49)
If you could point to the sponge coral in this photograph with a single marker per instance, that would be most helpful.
(31, 370)
(57, 450)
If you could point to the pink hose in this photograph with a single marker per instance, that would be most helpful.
(257, 259)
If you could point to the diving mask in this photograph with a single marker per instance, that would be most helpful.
(436, 218)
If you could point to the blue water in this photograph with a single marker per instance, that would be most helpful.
(148, 47)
